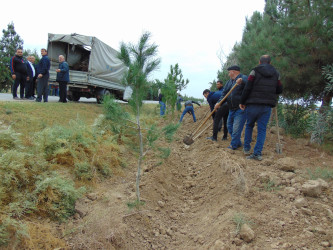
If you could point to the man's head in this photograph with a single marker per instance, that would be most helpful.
(43, 52)
(19, 52)
(219, 84)
(61, 58)
(206, 93)
(266, 59)
(31, 59)
(233, 71)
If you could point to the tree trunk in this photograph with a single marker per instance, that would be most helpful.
(138, 174)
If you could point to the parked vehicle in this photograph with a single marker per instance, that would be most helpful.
(95, 70)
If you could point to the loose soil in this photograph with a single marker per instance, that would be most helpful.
(193, 197)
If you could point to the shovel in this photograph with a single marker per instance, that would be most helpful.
(278, 145)
(189, 139)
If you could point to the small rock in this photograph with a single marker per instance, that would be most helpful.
(312, 188)
(300, 202)
(218, 245)
(306, 211)
(92, 196)
(323, 183)
(161, 203)
(77, 216)
(286, 164)
(246, 233)
(325, 244)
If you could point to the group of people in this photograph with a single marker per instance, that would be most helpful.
(249, 102)
(30, 76)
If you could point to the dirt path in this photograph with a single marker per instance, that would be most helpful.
(194, 197)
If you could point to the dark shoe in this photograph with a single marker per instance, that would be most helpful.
(16, 98)
(211, 138)
(230, 147)
(31, 98)
(224, 138)
(254, 157)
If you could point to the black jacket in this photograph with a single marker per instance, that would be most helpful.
(235, 97)
(17, 65)
(263, 86)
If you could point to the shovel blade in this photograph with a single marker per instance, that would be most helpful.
(278, 148)
(188, 140)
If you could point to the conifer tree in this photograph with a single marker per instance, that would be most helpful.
(141, 61)
(9, 43)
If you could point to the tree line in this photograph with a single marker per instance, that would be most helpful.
(299, 38)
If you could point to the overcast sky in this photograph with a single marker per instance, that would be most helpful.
(188, 32)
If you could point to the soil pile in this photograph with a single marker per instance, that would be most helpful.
(206, 197)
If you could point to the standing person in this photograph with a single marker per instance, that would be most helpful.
(43, 77)
(189, 108)
(19, 73)
(162, 103)
(259, 96)
(236, 118)
(222, 112)
(29, 87)
(62, 78)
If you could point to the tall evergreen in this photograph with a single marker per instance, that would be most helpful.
(9, 42)
(299, 37)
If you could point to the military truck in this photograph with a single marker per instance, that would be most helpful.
(95, 70)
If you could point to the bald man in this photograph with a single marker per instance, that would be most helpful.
(62, 78)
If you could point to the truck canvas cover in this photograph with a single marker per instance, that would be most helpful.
(102, 62)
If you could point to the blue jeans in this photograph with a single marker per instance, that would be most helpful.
(236, 121)
(259, 114)
(162, 108)
(188, 109)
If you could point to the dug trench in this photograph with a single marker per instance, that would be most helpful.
(205, 197)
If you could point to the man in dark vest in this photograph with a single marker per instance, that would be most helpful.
(259, 96)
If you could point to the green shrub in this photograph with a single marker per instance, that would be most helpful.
(83, 171)
(323, 173)
(8, 139)
(56, 197)
(170, 130)
(11, 228)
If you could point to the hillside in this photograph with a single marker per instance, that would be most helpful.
(194, 198)
(198, 198)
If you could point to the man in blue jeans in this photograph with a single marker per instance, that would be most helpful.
(162, 104)
(189, 109)
(236, 118)
(259, 96)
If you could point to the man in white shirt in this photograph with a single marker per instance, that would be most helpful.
(29, 87)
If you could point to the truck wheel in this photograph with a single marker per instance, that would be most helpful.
(101, 95)
(75, 97)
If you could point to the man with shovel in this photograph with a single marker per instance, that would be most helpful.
(236, 118)
(259, 96)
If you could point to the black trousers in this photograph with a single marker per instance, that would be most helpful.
(19, 81)
(221, 113)
(62, 91)
(29, 88)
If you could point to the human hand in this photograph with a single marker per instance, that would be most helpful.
(217, 105)
(239, 81)
(13, 77)
(58, 70)
(40, 76)
(242, 106)
(28, 78)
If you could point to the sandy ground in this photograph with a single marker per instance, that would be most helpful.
(196, 197)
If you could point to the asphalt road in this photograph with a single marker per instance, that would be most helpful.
(4, 97)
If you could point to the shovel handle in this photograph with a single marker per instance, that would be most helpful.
(225, 97)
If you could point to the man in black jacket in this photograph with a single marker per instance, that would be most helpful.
(19, 73)
(43, 77)
(259, 96)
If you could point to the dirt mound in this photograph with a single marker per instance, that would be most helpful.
(203, 194)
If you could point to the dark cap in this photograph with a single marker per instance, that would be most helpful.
(234, 67)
